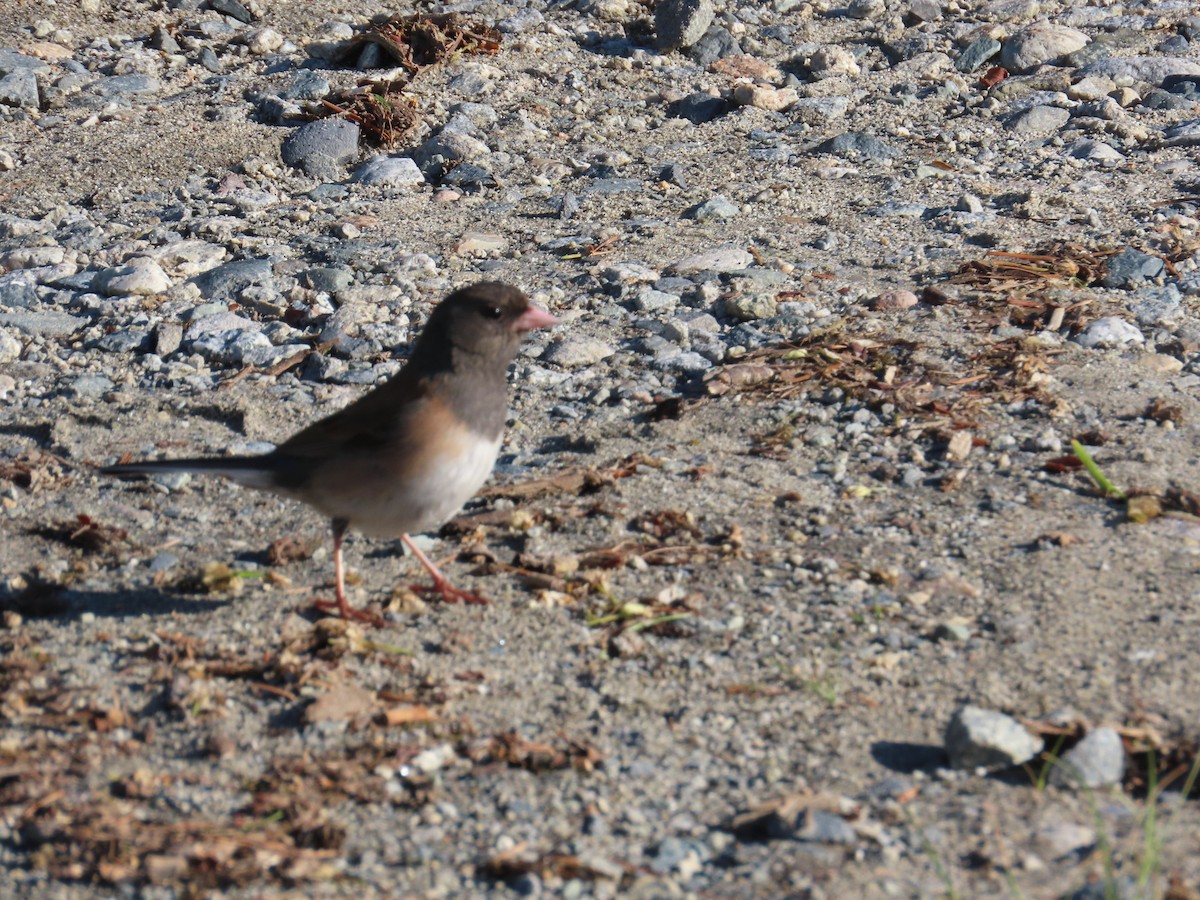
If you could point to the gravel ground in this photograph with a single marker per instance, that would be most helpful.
(798, 589)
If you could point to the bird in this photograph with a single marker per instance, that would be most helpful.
(404, 457)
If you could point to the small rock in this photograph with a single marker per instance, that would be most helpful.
(698, 108)
(1038, 120)
(322, 148)
(1039, 43)
(1097, 760)
(726, 258)
(892, 300)
(977, 53)
(857, 144)
(392, 170)
(264, 40)
(764, 97)
(141, 277)
(340, 703)
(981, 738)
(1132, 268)
(715, 208)
(834, 62)
(575, 352)
(91, 387)
(474, 243)
(748, 307)
(680, 23)
(1108, 332)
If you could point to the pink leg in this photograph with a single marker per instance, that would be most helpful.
(339, 584)
(441, 584)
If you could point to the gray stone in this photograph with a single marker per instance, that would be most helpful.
(977, 53)
(715, 208)
(226, 282)
(981, 738)
(1038, 120)
(390, 170)
(575, 352)
(234, 9)
(167, 338)
(306, 84)
(1108, 332)
(521, 22)
(330, 280)
(125, 340)
(1096, 761)
(435, 154)
(20, 89)
(1185, 134)
(1039, 43)
(725, 258)
(1132, 268)
(748, 307)
(122, 85)
(14, 61)
(322, 148)
(1153, 70)
(680, 23)
(143, 277)
(91, 387)
(853, 144)
(716, 43)
(698, 108)
(47, 324)
(1157, 307)
(18, 289)
(10, 346)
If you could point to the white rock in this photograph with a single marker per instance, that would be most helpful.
(142, 276)
(1039, 43)
(1109, 331)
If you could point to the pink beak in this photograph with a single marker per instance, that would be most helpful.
(532, 318)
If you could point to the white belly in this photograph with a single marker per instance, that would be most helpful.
(417, 506)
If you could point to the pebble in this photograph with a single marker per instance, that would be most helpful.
(680, 23)
(577, 351)
(1098, 760)
(726, 258)
(322, 148)
(980, 738)
(1038, 120)
(142, 276)
(894, 300)
(764, 97)
(748, 307)
(226, 282)
(715, 208)
(1039, 43)
(854, 144)
(977, 53)
(699, 108)
(1109, 332)
(1132, 268)
(390, 170)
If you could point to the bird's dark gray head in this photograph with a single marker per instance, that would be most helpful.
(484, 321)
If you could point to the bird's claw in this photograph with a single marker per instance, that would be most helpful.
(449, 593)
(348, 612)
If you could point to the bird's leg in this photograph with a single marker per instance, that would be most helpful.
(339, 582)
(441, 585)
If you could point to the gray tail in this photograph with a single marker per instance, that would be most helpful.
(252, 471)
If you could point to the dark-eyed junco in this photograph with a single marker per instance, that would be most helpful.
(404, 457)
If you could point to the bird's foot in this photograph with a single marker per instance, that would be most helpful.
(347, 612)
(449, 593)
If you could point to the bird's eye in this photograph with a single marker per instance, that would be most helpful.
(493, 312)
